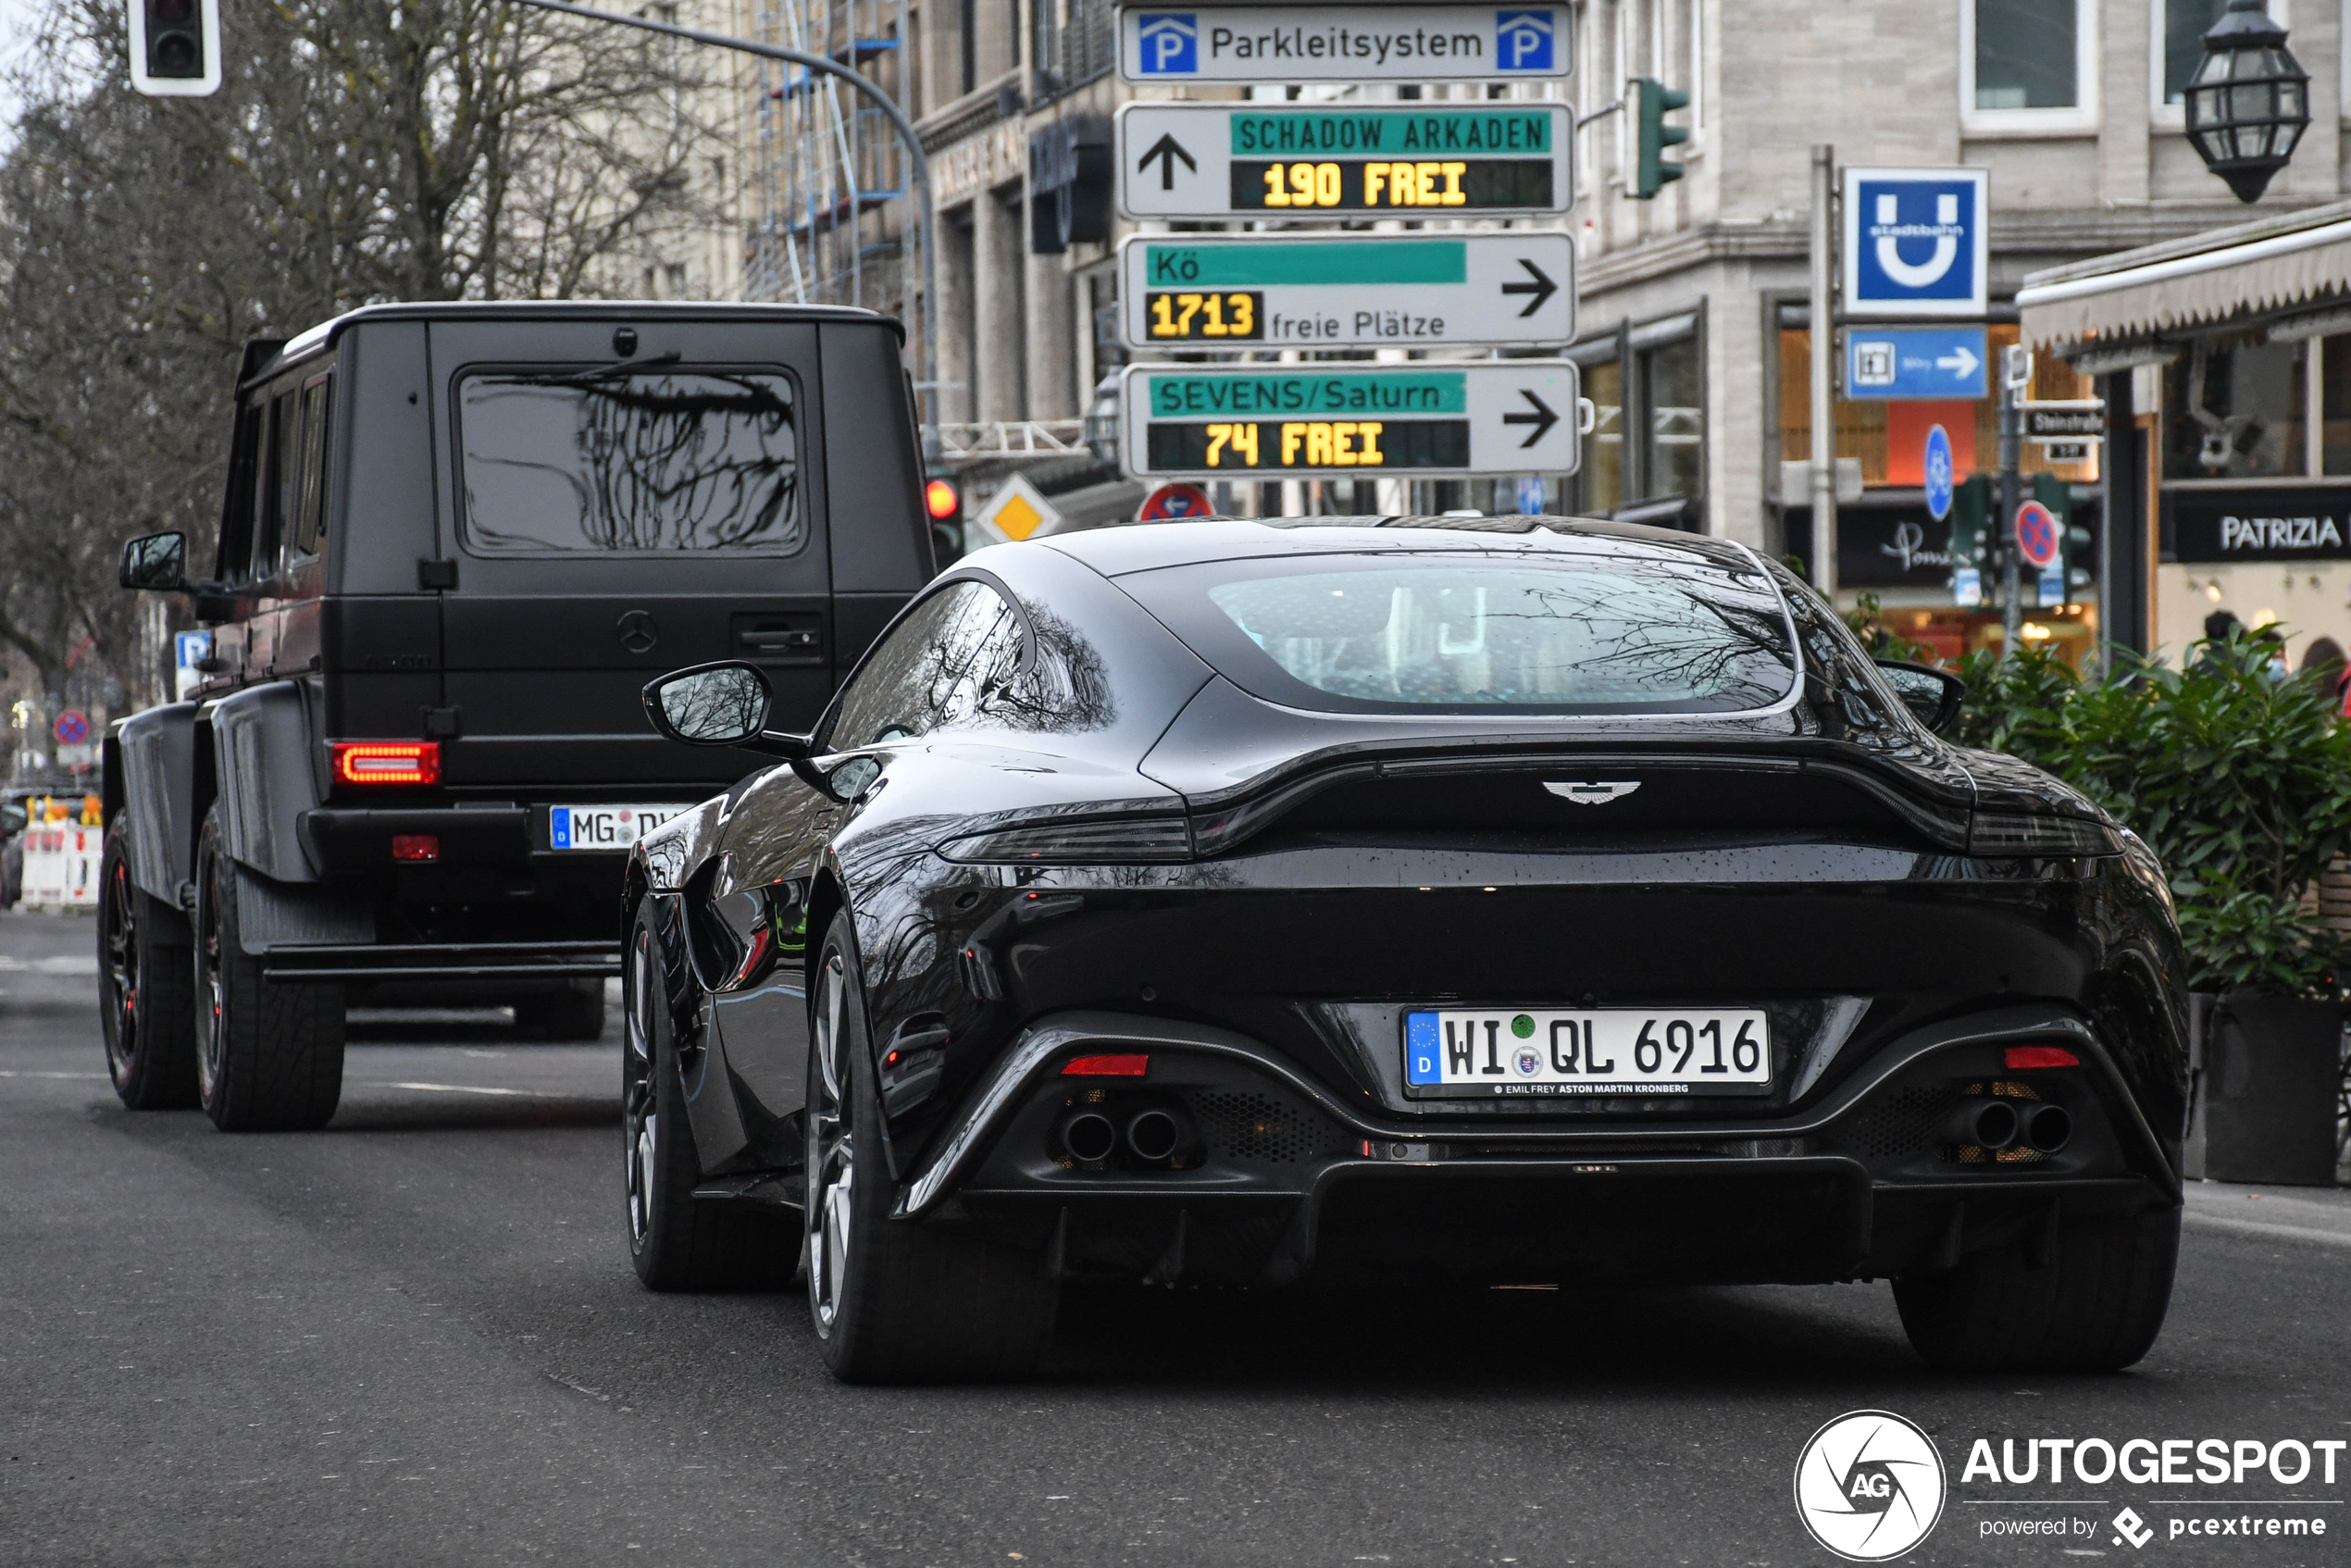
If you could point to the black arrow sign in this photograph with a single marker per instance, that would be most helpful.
(1167, 150)
(1542, 419)
(1542, 288)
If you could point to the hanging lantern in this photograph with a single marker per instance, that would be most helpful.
(2249, 101)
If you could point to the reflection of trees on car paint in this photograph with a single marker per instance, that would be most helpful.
(685, 460)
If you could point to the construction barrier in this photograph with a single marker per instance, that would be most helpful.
(61, 862)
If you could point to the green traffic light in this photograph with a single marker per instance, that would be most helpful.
(1654, 101)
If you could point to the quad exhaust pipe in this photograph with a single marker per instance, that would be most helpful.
(1153, 1135)
(2046, 1128)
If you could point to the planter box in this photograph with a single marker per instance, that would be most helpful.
(2265, 1089)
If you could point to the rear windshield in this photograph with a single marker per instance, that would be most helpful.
(1477, 632)
(647, 462)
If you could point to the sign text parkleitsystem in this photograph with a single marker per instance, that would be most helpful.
(1375, 42)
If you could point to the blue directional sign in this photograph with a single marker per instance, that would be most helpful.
(1939, 473)
(1916, 241)
(1891, 361)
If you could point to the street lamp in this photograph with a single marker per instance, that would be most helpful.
(2249, 101)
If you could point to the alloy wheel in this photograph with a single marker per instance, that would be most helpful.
(639, 1090)
(832, 1167)
(209, 1018)
(122, 971)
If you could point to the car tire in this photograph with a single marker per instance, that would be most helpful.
(2094, 1304)
(896, 1301)
(574, 1014)
(675, 1240)
(145, 986)
(268, 1053)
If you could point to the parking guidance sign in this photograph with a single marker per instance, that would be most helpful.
(1347, 291)
(1248, 160)
(1916, 241)
(1317, 421)
(1369, 42)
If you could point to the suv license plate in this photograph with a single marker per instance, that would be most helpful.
(604, 828)
(1603, 1051)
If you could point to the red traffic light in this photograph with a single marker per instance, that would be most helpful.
(940, 498)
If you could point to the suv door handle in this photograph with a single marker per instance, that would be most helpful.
(787, 638)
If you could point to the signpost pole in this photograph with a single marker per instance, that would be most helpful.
(1823, 464)
(2011, 441)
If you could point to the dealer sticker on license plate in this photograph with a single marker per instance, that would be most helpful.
(1603, 1051)
(604, 828)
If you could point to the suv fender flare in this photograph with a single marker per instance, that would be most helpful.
(150, 767)
(264, 777)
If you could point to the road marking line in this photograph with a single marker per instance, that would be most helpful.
(13, 1073)
(458, 1088)
(2261, 1227)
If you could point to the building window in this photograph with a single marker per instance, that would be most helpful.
(2027, 64)
(1600, 486)
(2233, 409)
(1673, 397)
(2335, 398)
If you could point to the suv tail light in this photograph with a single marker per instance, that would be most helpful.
(387, 762)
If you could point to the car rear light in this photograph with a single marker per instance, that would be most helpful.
(1078, 842)
(415, 846)
(1107, 1067)
(1995, 832)
(2022, 1057)
(387, 762)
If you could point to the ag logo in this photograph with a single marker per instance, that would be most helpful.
(1868, 1485)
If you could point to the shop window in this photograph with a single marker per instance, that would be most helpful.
(1601, 484)
(1674, 394)
(1889, 438)
(2027, 62)
(2335, 440)
(2234, 410)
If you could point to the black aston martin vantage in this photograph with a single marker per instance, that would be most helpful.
(1516, 899)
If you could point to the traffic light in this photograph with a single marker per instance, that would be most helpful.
(175, 47)
(1653, 102)
(943, 500)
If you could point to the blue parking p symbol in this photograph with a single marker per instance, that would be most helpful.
(1522, 40)
(1171, 43)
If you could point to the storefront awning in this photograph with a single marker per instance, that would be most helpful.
(2249, 268)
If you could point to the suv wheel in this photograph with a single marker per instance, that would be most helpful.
(575, 1013)
(2094, 1303)
(269, 1053)
(896, 1301)
(145, 987)
(675, 1240)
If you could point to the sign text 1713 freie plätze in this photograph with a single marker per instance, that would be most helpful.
(1163, 45)
(1416, 421)
(1241, 160)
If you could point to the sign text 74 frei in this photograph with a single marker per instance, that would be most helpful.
(1255, 161)
(1348, 291)
(1411, 421)
(1362, 42)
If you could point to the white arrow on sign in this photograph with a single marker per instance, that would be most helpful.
(1959, 362)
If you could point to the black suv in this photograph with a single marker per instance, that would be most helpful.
(457, 540)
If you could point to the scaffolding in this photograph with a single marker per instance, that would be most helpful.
(828, 162)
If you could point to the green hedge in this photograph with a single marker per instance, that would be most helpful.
(2236, 774)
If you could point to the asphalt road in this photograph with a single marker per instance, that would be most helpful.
(414, 1338)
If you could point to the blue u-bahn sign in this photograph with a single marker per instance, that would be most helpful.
(1916, 241)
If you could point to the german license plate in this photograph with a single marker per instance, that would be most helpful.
(1460, 1051)
(604, 828)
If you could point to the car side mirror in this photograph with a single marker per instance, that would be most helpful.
(12, 819)
(1933, 696)
(720, 705)
(157, 563)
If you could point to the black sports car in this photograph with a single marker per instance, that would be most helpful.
(1519, 899)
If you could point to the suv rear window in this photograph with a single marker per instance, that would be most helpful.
(634, 463)
(1550, 632)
